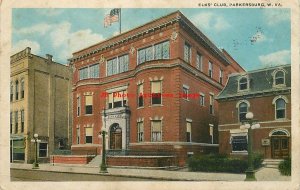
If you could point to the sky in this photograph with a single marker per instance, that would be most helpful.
(256, 38)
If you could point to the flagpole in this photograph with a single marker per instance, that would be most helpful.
(120, 20)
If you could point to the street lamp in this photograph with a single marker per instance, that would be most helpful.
(250, 124)
(103, 167)
(36, 164)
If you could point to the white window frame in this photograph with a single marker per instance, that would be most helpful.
(202, 99)
(160, 130)
(211, 103)
(47, 149)
(239, 83)
(185, 88)
(210, 69)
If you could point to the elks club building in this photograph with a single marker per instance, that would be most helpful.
(267, 94)
(134, 85)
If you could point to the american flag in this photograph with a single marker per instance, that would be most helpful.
(112, 17)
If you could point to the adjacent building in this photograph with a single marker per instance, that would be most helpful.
(266, 93)
(39, 103)
(152, 88)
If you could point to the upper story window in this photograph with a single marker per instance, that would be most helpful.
(22, 88)
(279, 78)
(91, 71)
(202, 99)
(117, 99)
(88, 104)
(210, 69)
(140, 95)
(221, 76)
(16, 122)
(117, 65)
(17, 90)
(157, 51)
(185, 92)
(211, 104)
(199, 62)
(156, 97)
(280, 108)
(243, 83)
(11, 91)
(187, 52)
(243, 109)
(22, 121)
(78, 106)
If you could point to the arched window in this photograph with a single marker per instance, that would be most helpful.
(243, 84)
(243, 109)
(22, 88)
(280, 108)
(279, 78)
(17, 90)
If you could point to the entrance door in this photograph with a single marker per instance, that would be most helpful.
(115, 137)
(280, 147)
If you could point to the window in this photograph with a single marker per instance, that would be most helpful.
(88, 135)
(239, 143)
(11, 91)
(16, 122)
(185, 91)
(140, 95)
(17, 90)
(89, 104)
(156, 92)
(210, 69)
(188, 131)
(221, 76)
(117, 99)
(117, 65)
(43, 150)
(78, 106)
(199, 62)
(187, 53)
(91, 71)
(211, 104)
(140, 126)
(11, 125)
(279, 78)
(22, 121)
(78, 135)
(158, 51)
(243, 109)
(202, 99)
(156, 131)
(22, 89)
(280, 108)
(243, 83)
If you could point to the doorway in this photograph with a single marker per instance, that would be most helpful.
(115, 137)
(280, 145)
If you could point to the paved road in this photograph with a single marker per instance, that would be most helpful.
(37, 175)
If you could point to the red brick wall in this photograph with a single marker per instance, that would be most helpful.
(71, 159)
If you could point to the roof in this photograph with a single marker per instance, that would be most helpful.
(260, 82)
(171, 18)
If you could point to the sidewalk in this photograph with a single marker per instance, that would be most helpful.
(264, 174)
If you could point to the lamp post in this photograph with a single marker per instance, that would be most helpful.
(250, 124)
(103, 167)
(36, 164)
(103, 132)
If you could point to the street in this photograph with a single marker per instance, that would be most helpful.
(37, 175)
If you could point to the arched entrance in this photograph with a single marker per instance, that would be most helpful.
(115, 137)
(280, 143)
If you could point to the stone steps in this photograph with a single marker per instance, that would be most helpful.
(96, 161)
(271, 163)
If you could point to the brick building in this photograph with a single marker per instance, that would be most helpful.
(135, 85)
(39, 103)
(267, 94)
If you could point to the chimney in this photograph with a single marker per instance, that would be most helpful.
(28, 50)
(49, 57)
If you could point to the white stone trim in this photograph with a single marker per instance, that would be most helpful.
(278, 97)
(185, 86)
(117, 89)
(188, 120)
(280, 129)
(242, 101)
